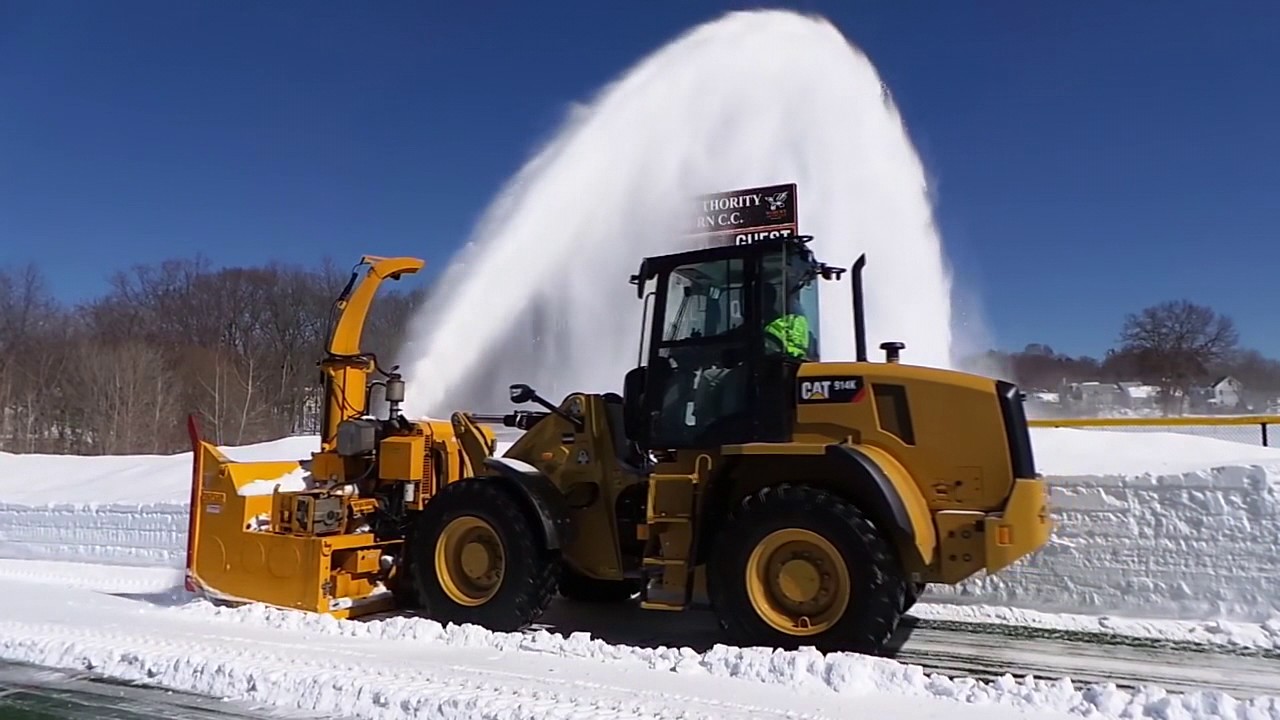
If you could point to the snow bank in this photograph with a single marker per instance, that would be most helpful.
(1071, 452)
(1152, 525)
(86, 480)
(117, 533)
(119, 509)
(1156, 525)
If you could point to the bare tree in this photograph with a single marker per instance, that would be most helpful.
(30, 326)
(1175, 343)
(237, 345)
(124, 396)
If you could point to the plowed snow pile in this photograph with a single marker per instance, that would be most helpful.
(1152, 525)
(127, 510)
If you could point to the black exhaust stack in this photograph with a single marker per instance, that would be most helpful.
(859, 330)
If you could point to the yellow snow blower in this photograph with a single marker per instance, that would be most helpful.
(811, 501)
(313, 534)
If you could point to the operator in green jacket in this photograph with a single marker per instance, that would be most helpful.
(790, 328)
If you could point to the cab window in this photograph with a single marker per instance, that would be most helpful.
(789, 305)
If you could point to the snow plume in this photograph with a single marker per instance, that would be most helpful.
(540, 295)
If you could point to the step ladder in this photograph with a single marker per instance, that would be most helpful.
(668, 555)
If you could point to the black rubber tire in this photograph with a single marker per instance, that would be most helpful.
(912, 595)
(581, 588)
(402, 588)
(878, 586)
(531, 570)
(400, 581)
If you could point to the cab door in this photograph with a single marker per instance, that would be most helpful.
(698, 389)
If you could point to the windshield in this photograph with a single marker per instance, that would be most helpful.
(790, 305)
(703, 300)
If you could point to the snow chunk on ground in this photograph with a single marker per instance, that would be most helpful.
(294, 481)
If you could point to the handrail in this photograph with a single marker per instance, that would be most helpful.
(1263, 422)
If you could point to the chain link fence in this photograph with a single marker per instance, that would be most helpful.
(1261, 430)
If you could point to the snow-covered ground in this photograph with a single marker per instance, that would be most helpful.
(1161, 536)
(146, 630)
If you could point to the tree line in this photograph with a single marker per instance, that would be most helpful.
(239, 346)
(1175, 346)
(119, 374)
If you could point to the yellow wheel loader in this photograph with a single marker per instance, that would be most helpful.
(809, 501)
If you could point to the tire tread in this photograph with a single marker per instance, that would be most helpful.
(880, 599)
(522, 539)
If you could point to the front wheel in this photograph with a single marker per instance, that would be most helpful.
(795, 565)
(914, 591)
(477, 558)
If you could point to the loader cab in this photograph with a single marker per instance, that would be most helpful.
(726, 328)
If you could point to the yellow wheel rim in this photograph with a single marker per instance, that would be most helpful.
(798, 582)
(469, 561)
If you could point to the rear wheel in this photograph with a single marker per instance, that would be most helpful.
(477, 558)
(795, 565)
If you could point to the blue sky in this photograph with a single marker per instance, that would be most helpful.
(1089, 158)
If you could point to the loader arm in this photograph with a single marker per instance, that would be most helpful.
(475, 443)
(346, 370)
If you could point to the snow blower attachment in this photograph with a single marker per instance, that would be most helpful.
(321, 534)
(810, 502)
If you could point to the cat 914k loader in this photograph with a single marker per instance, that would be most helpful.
(810, 501)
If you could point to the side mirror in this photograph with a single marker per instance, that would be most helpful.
(633, 423)
(521, 393)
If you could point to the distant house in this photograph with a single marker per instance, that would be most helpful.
(1093, 398)
(1226, 392)
(1042, 403)
(1141, 397)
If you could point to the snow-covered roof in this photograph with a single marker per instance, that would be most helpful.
(1142, 392)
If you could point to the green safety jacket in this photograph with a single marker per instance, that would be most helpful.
(793, 331)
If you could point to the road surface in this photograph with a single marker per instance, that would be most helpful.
(977, 650)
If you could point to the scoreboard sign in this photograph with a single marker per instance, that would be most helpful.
(741, 217)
